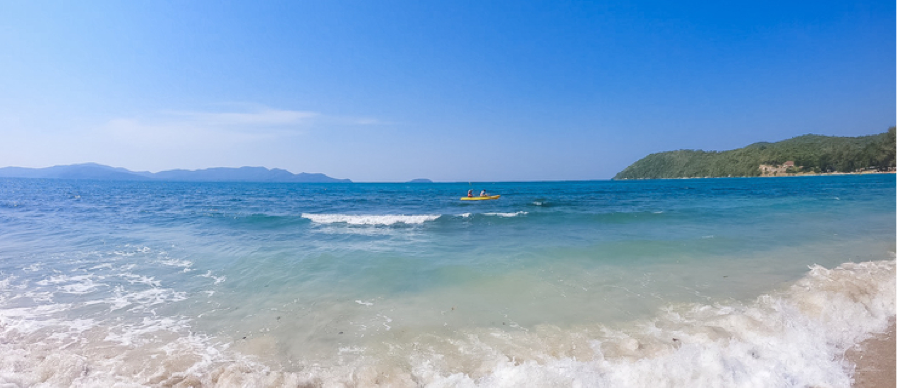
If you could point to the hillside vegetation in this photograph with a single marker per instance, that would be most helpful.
(810, 154)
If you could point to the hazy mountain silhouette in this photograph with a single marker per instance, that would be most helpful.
(217, 174)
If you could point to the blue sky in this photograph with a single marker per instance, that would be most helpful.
(451, 91)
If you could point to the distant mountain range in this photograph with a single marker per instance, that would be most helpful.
(217, 174)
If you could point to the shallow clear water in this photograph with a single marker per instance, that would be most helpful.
(558, 283)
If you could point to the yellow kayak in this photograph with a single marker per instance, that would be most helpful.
(480, 198)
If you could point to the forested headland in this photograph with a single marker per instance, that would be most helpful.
(808, 154)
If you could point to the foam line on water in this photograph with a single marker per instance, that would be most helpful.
(370, 219)
(515, 214)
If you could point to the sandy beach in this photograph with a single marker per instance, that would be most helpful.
(874, 361)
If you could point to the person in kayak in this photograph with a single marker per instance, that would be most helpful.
(483, 193)
(471, 193)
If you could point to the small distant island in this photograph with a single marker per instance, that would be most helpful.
(803, 155)
(217, 174)
(420, 180)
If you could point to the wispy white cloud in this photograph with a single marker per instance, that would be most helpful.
(261, 117)
(251, 123)
(199, 129)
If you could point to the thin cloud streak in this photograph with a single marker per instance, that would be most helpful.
(185, 129)
(263, 117)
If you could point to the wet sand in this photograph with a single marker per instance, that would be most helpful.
(875, 361)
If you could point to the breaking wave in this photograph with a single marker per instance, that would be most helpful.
(370, 219)
(795, 337)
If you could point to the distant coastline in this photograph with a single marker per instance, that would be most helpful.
(808, 174)
(800, 156)
(216, 174)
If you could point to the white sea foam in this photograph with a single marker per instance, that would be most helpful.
(795, 337)
(140, 279)
(8, 283)
(186, 264)
(79, 288)
(39, 296)
(26, 321)
(515, 214)
(369, 219)
(495, 214)
(142, 300)
(386, 321)
(81, 284)
(142, 333)
(218, 279)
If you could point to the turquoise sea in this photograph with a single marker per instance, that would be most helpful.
(742, 282)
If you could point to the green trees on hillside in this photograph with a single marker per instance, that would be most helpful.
(811, 153)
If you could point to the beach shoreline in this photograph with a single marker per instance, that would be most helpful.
(874, 360)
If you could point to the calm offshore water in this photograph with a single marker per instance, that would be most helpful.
(706, 282)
